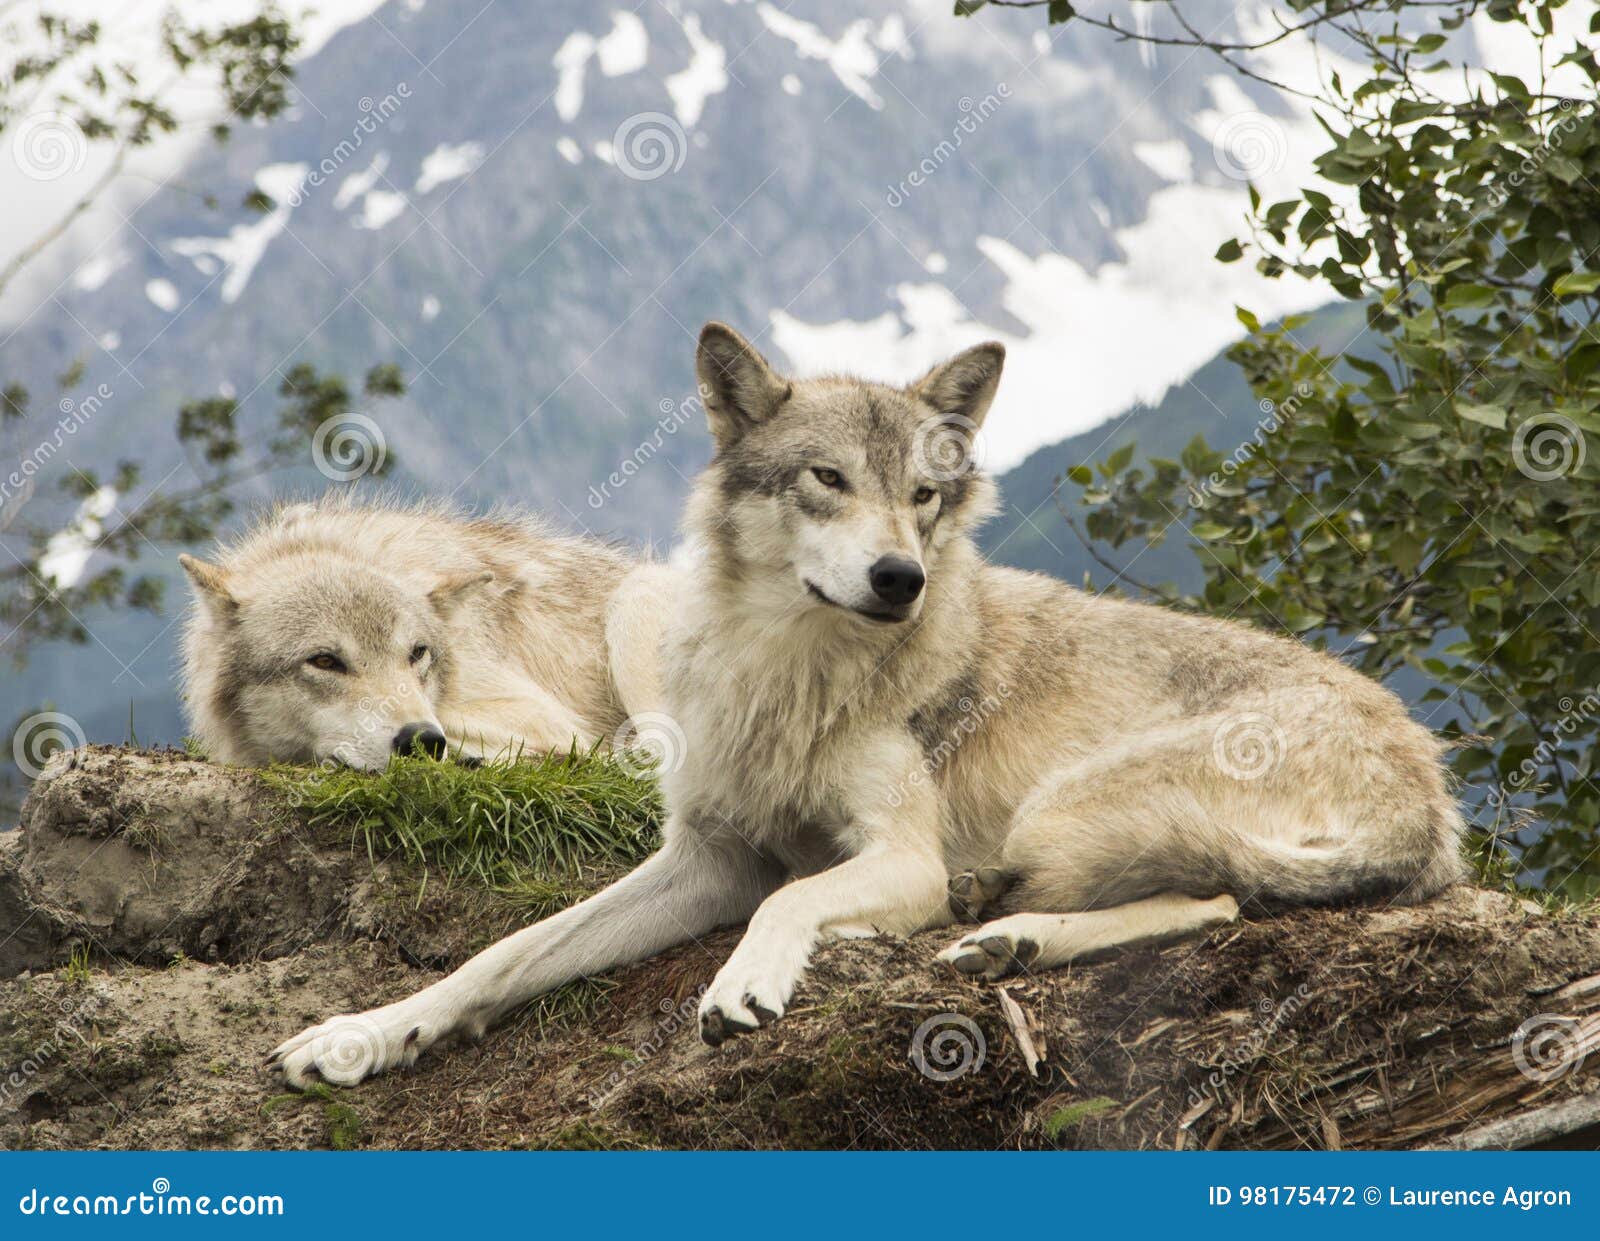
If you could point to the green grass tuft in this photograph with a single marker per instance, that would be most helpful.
(76, 971)
(343, 1122)
(537, 829)
(1065, 1119)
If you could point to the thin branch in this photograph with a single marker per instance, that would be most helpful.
(35, 247)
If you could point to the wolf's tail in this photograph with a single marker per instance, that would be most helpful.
(1401, 867)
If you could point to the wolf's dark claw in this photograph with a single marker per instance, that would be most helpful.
(764, 1015)
(716, 1027)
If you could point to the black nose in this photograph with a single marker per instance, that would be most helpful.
(424, 737)
(897, 580)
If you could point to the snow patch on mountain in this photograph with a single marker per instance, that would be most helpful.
(448, 163)
(357, 184)
(99, 268)
(162, 294)
(380, 207)
(624, 50)
(1171, 160)
(244, 245)
(852, 56)
(572, 66)
(1095, 342)
(705, 75)
(68, 551)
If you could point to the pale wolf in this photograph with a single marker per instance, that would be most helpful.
(348, 630)
(884, 733)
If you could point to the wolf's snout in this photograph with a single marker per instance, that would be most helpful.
(424, 737)
(897, 580)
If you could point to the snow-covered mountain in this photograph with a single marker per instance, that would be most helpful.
(532, 210)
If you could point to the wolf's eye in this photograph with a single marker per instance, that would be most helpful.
(328, 662)
(924, 494)
(829, 478)
(418, 653)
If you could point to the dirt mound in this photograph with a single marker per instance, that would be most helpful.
(172, 921)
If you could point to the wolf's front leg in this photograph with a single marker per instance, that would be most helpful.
(895, 889)
(527, 720)
(686, 889)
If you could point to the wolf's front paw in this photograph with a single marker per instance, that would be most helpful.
(752, 990)
(349, 1049)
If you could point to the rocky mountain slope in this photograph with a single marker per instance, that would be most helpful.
(532, 216)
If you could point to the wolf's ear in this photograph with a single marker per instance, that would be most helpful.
(210, 584)
(737, 385)
(452, 592)
(964, 386)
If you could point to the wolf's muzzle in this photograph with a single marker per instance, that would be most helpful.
(420, 737)
(896, 580)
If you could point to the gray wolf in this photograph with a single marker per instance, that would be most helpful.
(883, 733)
(347, 630)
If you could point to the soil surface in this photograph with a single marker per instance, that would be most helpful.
(166, 922)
